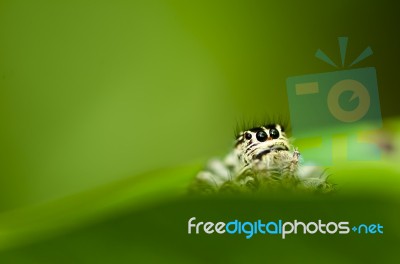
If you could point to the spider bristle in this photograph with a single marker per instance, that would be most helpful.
(243, 125)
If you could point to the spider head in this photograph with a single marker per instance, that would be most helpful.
(257, 142)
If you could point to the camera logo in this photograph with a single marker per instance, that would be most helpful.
(339, 102)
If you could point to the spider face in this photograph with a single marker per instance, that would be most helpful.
(257, 142)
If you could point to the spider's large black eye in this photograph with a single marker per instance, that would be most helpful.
(247, 135)
(274, 133)
(261, 136)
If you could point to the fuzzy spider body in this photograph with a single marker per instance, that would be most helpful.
(262, 158)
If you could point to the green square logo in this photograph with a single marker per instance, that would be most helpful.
(335, 103)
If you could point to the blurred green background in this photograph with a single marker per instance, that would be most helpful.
(97, 95)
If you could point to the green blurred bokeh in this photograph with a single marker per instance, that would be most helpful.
(95, 92)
